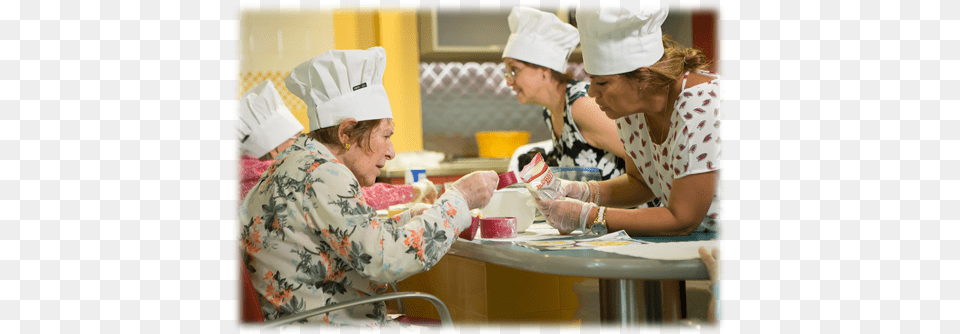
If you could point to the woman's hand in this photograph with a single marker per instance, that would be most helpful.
(710, 260)
(583, 191)
(477, 188)
(572, 189)
(565, 214)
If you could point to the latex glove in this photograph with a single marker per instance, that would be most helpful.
(425, 192)
(566, 214)
(477, 188)
(574, 189)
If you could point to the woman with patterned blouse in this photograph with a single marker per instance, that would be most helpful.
(267, 127)
(535, 57)
(667, 113)
(308, 236)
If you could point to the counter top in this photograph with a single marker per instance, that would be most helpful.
(587, 262)
(457, 167)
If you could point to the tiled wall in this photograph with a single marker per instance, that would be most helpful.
(458, 100)
(274, 42)
(294, 103)
(461, 99)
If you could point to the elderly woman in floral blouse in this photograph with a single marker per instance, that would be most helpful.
(308, 237)
(267, 127)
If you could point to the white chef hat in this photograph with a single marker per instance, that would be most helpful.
(341, 84)
(618, 39)
(540, 38)
(265, 122)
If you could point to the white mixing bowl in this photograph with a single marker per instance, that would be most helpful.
(511, 202)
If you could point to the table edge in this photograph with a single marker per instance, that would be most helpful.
(626, 268)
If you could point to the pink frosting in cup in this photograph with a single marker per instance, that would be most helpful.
(498, 227)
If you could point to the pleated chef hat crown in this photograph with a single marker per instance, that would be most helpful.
(265, 122)
(540, 38)
(619, 39)
(341, 84)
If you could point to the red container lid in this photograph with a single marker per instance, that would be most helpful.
(507, 179)
(471, 231)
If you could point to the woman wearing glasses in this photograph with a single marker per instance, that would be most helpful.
(535, 57)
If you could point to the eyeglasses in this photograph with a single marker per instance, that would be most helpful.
(511, 74)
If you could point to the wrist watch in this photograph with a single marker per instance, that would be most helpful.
(599, 225)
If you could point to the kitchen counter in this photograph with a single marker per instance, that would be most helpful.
(493, 281)
(455, 168)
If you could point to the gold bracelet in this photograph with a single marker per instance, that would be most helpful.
(595, 191)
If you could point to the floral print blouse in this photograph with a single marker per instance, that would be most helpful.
(692, 145)
(380, 195)
(309, 239)
(571, 148)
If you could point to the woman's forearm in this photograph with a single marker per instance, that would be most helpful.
(624, 191)
(381, 195)
(657, 221)
(689, 203)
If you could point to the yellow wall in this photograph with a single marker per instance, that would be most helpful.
(398, 35)
(395, 31)
(281, 40)
(355, 29)
(273, 43)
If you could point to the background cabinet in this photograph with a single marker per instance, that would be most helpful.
(480, 34)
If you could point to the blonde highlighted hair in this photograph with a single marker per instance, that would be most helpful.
(676, 61)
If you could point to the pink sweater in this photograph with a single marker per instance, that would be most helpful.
(380, 196)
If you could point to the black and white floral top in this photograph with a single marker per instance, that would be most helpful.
(571, 149)
(309, 239)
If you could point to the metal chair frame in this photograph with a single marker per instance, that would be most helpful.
(446, 322)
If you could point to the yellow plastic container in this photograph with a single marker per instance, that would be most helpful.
(501, 144)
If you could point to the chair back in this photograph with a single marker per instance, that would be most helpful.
(248, 296)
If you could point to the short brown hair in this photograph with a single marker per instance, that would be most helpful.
(362, 132)
(676, 61)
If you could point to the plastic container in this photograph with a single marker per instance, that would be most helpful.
(411, 176)
(500, 144)
(511, 202)
(498, 227)
(576, 173)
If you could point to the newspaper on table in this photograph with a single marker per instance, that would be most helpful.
(573, 242)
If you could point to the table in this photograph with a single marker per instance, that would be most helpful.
(622, 278)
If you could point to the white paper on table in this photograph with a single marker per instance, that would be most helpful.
(578, 241)
(662, 250)
(618, 235)
(534, 232)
